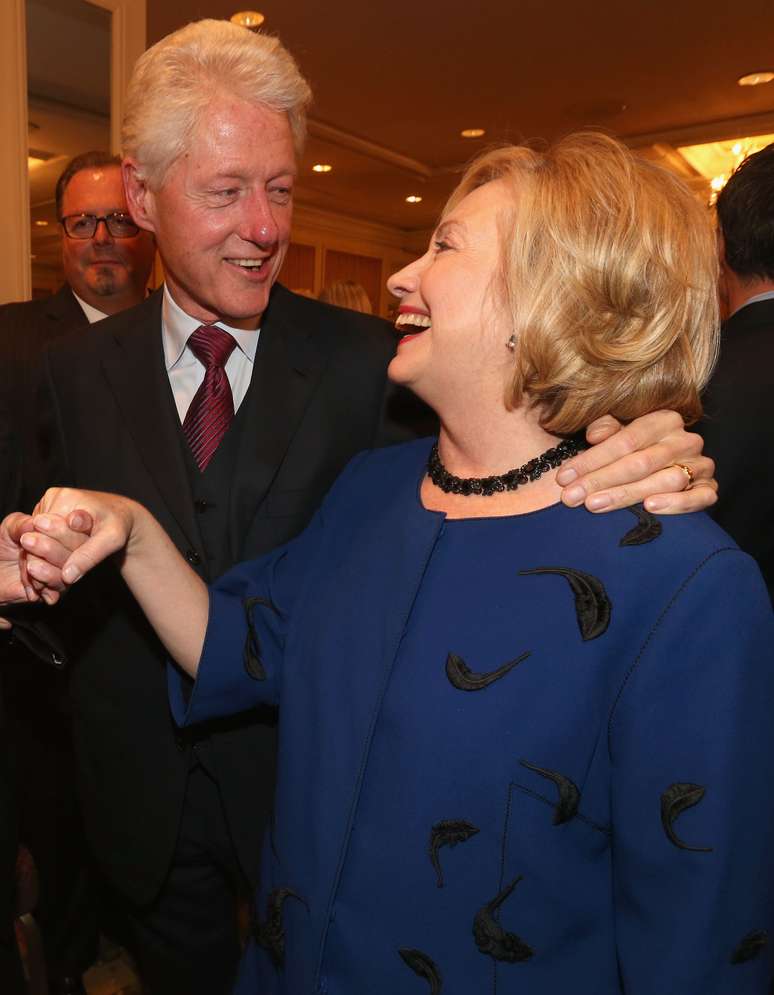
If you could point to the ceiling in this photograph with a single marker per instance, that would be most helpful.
(409, 76)
(396, 82)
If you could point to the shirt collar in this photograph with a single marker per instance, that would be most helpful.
(177, 328)
(768, 296)
(92, 314)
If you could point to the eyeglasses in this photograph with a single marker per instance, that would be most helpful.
(119, 225)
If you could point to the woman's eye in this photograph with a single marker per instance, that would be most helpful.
(440, 245)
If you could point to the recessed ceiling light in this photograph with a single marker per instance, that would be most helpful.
(756, 79)
(42, 224)
(472, 133)
(248, 19)
(322, 167)
(413, 199)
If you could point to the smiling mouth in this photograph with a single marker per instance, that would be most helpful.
(410, 324)
(251, 265)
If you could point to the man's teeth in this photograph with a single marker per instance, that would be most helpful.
(247, 263)
(416, 320)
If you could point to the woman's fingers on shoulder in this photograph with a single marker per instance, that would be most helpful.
(630, 465)
(700, 497)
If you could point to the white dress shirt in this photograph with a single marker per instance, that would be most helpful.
(184, 370)
(769, 295)
(92, 314)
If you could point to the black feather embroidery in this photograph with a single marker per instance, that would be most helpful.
(750, 946)
(647, 529)
(448, 833)
(465, 679)
(492, 939)
(675, 800)
(271, 934)
(592, 605)
(569, 796)
(423, 966)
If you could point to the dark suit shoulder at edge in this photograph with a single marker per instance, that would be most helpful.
(114, 326)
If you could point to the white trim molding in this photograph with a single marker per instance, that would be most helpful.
(15, 277)
(128, 41)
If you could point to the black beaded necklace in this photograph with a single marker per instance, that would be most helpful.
(496, 484)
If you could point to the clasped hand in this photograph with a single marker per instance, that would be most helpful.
(69, 533)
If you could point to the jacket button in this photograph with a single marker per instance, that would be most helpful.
(201, 505)
(193, 557)
(180, 742)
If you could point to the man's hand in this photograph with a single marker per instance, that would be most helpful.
(639, 463)
(25, 578)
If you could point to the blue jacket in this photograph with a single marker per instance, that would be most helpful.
(528, 755)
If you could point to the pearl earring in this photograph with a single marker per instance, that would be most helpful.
(510, 345)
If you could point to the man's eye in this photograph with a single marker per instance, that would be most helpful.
(440, 245)
(280, 195)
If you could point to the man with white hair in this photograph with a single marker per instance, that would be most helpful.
(226, 405)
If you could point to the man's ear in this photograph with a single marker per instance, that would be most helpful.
(723, 273)
(139, 196)
(721, 242)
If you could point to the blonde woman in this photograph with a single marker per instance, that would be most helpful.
(347, 293)
(523, 748)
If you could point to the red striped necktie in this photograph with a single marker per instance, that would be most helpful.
(212, 408)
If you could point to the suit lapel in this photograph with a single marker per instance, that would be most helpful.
(133, 362)
(63, 308)
(288, 364)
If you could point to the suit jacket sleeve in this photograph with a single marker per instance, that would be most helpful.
(692, 746)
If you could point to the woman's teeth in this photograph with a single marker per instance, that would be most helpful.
(413, 320)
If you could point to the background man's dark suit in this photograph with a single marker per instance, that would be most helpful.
(10, 969)
(38, 717)
(737, 431)
(109, 423)
(26, 328)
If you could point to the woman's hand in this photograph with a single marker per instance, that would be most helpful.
(642, 462)
(86, 525)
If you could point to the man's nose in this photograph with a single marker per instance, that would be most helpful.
(260, 226)
(101, 233)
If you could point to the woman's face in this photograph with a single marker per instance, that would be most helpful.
(453, 328)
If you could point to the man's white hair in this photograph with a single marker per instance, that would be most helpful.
(175, 80)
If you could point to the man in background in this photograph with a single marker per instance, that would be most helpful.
(737, 426)
(107, 261)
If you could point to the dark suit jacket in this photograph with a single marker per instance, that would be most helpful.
(738, 430)
(26, 328)
(108, 422)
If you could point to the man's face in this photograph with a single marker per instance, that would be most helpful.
(108, 273)
(222, 216)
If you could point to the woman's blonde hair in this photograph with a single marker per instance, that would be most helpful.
(174, 81)
(609, 275)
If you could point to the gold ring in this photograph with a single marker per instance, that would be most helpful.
(689, 474)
